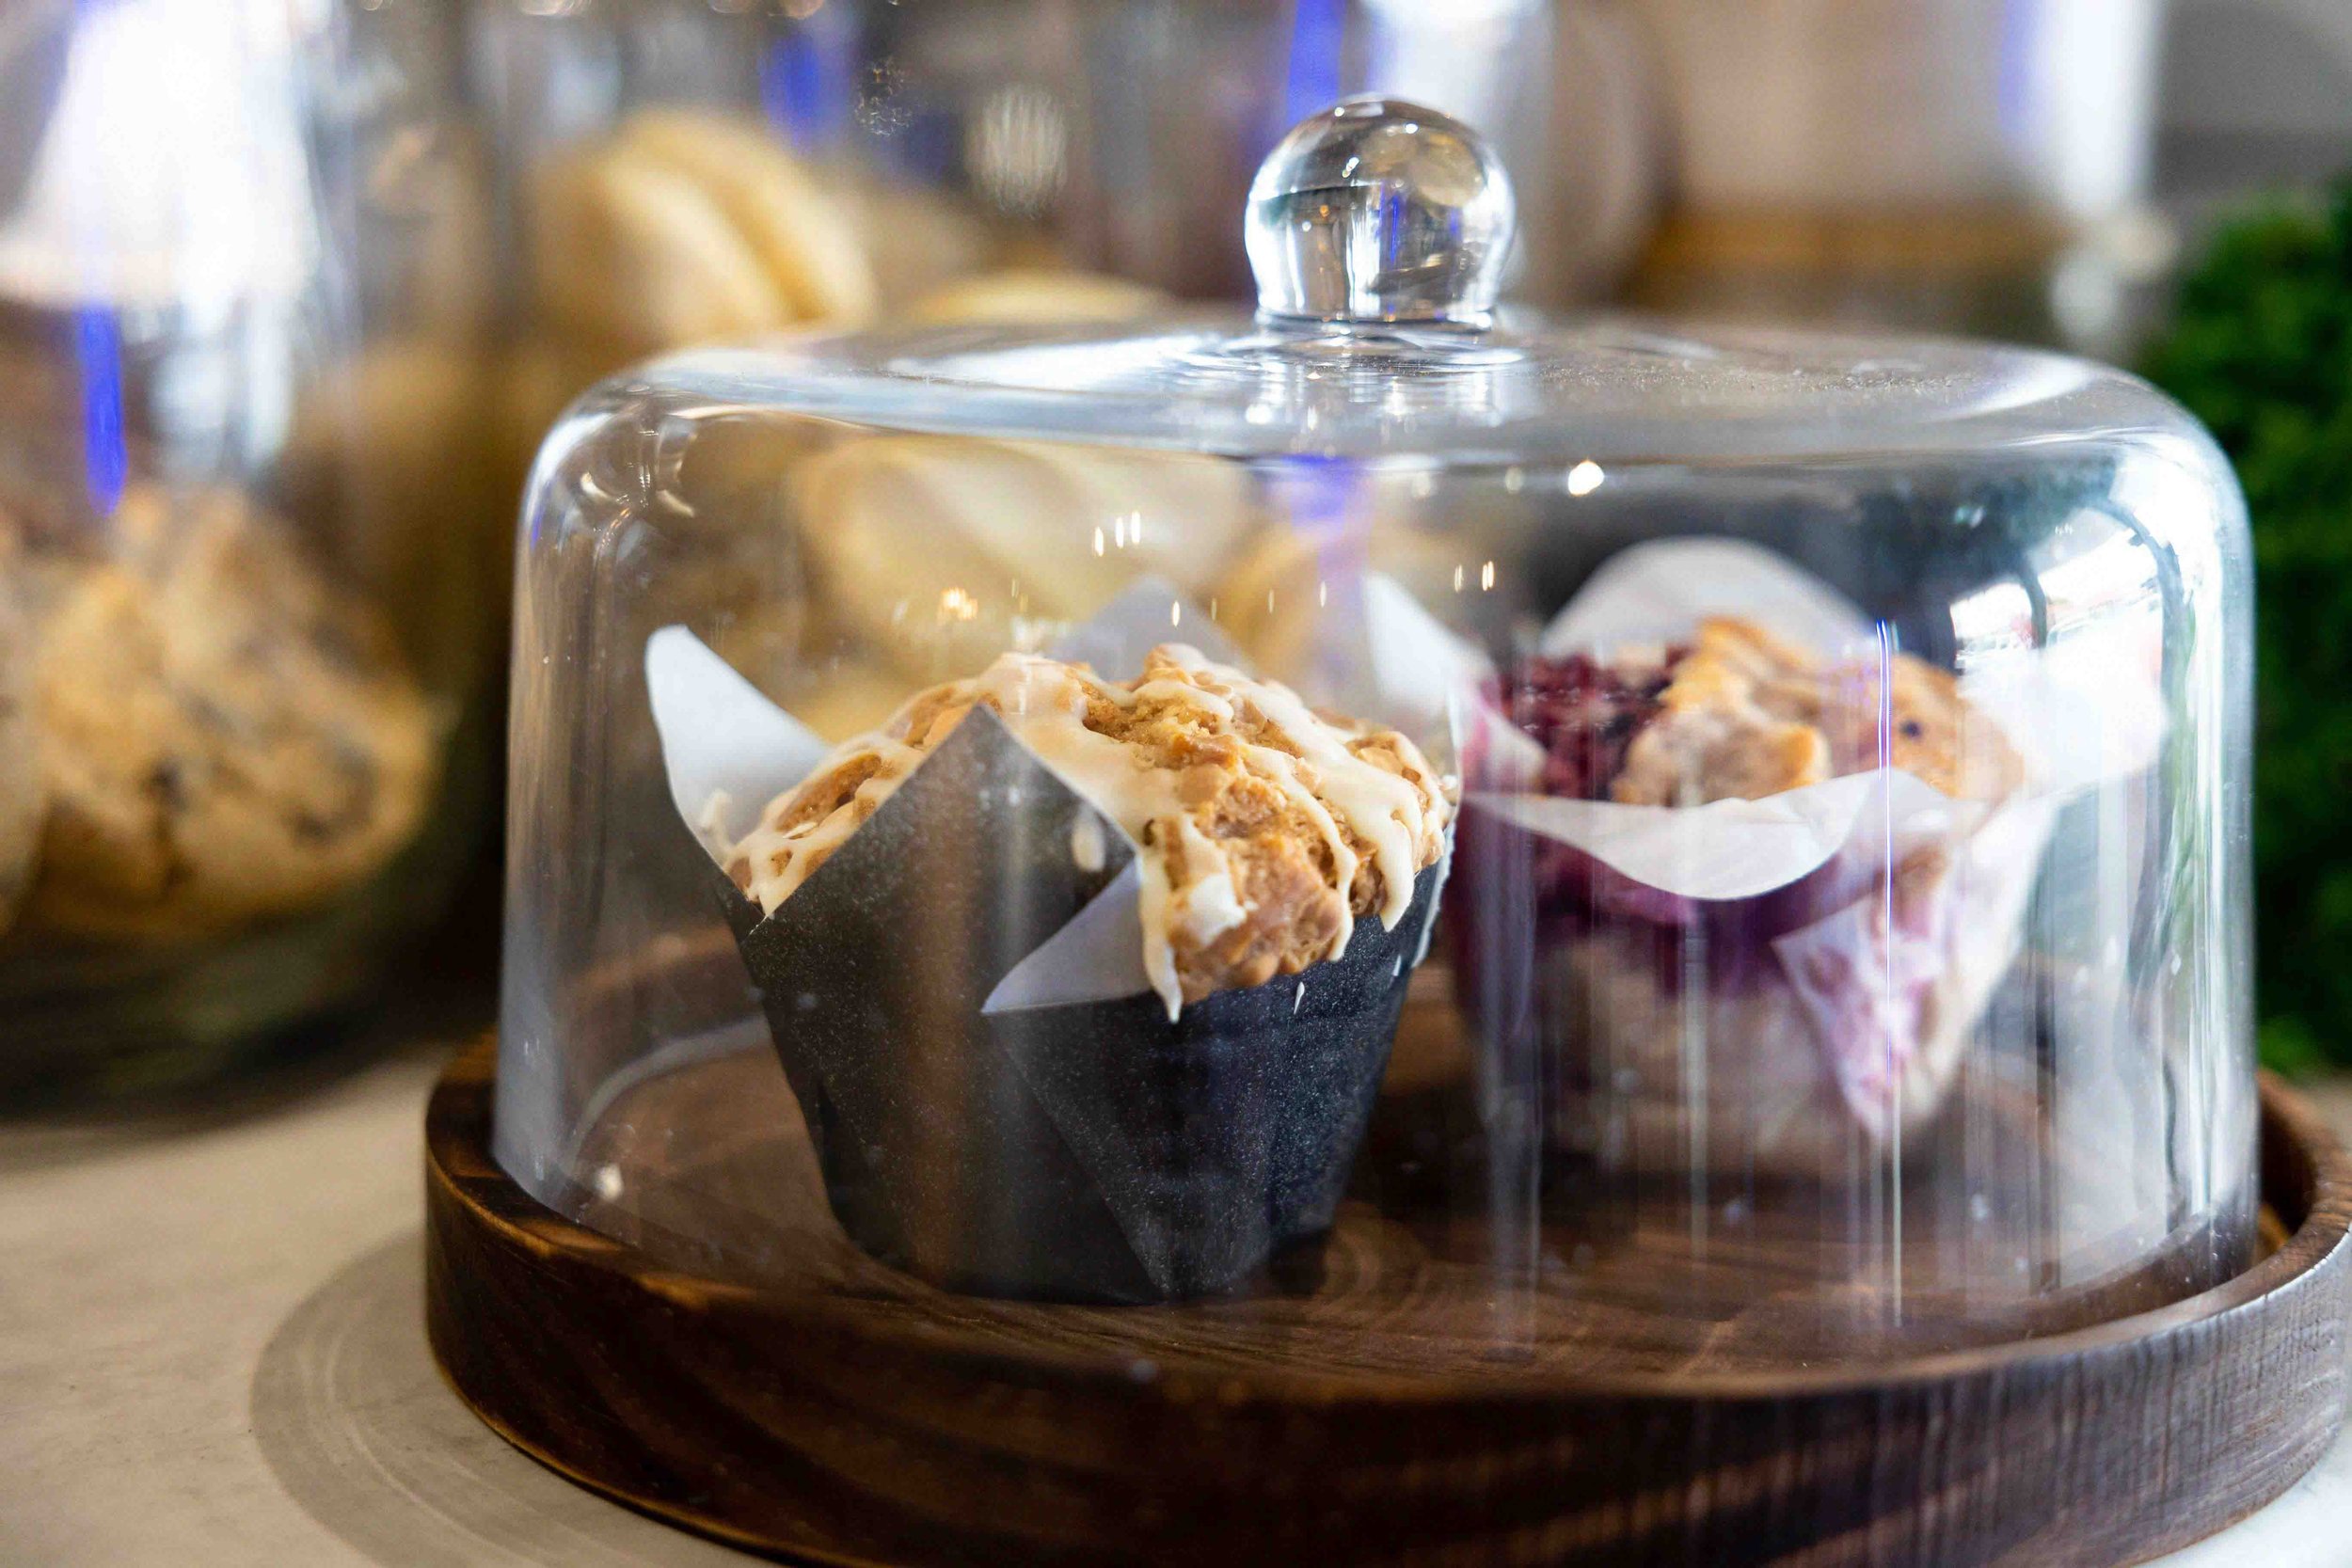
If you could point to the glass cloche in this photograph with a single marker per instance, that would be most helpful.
(1736, 833)
(246, 599)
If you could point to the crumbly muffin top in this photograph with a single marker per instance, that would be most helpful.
(1264, 829)
(1737, 713)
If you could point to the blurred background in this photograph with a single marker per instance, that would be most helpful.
(290, 290)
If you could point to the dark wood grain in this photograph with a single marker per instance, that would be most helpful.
(1369, 1405)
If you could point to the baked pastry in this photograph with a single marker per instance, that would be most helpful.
(686, 227)
(223, 738)
(1831, 1009)
(1265, 830)
(803, 242)
(936, 552)
(1023, 295)
(1740, 714)
(918, 238)
(1085, 988)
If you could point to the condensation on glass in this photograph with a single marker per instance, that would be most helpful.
(1803, 892)
(245, 518)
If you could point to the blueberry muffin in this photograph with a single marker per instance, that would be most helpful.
(1832, 1010)
(1738, 714)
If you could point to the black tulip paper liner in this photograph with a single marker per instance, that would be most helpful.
(1092, 1150)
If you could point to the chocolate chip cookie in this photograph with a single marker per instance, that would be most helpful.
(225, 737)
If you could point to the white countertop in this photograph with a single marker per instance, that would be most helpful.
(212, 1352)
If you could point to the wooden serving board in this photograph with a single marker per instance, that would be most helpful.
(743, 1370)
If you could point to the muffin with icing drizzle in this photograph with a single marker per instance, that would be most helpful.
(1266, 832)
(1085, 987)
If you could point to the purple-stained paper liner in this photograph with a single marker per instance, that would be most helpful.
(1094, 1151)
(1781, 1034)
(1774, 983)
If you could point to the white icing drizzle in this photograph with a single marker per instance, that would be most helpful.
(712, 827)
(1187, 693)
(1044, 704)
(1086, 843)
(1212, 908)
(1382, 807)
(781, 858)
(1152, 898)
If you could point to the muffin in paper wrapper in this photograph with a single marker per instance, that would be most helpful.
(1775, 985)
(998, 1102)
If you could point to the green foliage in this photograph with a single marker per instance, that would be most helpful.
(2261, 352)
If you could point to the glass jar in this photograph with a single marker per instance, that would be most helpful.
(1930, 164)
(680, 171)
(243, 487)
(1600, 823)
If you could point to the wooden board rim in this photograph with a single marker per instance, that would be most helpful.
(2316, 1248)
(570, 1346)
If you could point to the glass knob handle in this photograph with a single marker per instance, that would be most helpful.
(1380, 210)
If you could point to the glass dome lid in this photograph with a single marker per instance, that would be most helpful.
(1642, 848)
(1379, 231)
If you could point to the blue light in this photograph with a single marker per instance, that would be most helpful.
(2013, 99)
(1320, 495)
(808, 80)
(1318, 41)
(98, 347)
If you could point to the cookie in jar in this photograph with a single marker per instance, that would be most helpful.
(224, 736)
